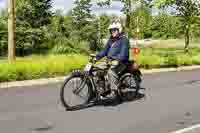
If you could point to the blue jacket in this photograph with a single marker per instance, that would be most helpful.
(117, 50)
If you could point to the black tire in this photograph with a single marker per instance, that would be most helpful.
(129, 86)
(86, 87)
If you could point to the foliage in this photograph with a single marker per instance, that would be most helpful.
(81, 13)
(30, 10)
(188, 10)
(141, 18)
(3, 32)
(60, 28)
(104, 21)
(77, 31)
(85, 26)
(30, 34)
(166, 26)
(65, 45)
(127, 6)
(195, 29)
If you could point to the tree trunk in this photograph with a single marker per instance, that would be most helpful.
(11, 31)
(187, 38)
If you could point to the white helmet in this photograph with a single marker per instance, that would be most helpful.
(115, 25)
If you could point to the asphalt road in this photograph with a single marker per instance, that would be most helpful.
(171, 103)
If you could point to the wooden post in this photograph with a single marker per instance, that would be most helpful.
(11, 31)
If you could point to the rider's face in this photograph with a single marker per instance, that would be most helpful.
(114, 32)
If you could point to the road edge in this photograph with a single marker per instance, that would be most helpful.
(27, 83)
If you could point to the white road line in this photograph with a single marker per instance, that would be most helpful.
(187, 129)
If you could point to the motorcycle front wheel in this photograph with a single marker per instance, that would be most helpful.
(75, 92)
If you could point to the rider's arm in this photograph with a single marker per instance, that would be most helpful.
(124, 52)
(103, 52)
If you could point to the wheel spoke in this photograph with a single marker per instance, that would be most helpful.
(75, 92)
(80, 87)
(130, 83)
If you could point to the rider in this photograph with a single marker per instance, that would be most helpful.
(117, 51)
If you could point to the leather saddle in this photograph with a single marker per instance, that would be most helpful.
(133, 66)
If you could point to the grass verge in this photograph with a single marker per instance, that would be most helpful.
(35, 67)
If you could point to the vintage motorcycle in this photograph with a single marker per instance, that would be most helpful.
(86, 86)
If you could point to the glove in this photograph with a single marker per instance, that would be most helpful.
(115, 62)
(95, 60)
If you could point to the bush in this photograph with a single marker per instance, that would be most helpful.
(196, 59)
(148, 60)
(171, 57)
(154, 62)
(171, 60)
(63, 45)
(185, 60)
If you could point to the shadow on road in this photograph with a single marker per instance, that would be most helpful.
(127, 97)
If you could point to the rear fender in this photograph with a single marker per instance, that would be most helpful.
(137, 72)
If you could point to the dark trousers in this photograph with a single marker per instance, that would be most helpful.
(114, 74)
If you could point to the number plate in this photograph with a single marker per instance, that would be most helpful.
(88, 67)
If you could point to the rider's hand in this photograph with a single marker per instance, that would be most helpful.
(115, 62)
(95, 60)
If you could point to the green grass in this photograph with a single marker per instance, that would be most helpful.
(35, 67)
(168, 57)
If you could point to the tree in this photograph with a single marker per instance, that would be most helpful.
(126, 9)
(81, 12)
(3, 32)
(166, 26)
(104, 21)
(32, 17)
(143, 13)
(187, 10)
(61, 27)
(84, 24)
(57, 24)
(39, 10)
(195, 28)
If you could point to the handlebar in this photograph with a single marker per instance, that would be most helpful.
(93, 60)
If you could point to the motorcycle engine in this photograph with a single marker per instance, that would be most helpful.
(101, 82)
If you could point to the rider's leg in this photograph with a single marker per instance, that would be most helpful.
(112, 79)
(113, 74)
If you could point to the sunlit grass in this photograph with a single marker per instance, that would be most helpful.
(34, 67)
